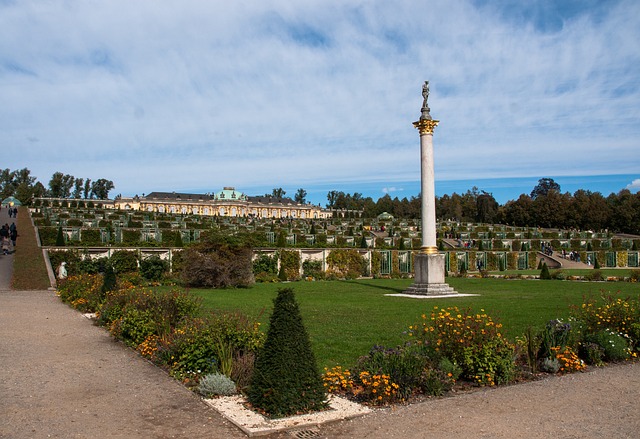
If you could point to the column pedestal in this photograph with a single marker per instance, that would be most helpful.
(429, 276)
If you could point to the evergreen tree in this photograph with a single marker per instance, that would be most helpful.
(60, 238)
(285, 378)
(109, 280)
(596, 264)
(178, 241)
(363, 242)
(282, 274)
(544, 274)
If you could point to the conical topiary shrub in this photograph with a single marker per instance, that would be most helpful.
(285, 378)
(60, 238)
(544, 274)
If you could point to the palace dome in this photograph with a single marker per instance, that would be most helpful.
(230, 194)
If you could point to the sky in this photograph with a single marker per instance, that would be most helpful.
(191, 96)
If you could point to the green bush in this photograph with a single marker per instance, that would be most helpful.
(594, 275)
(133, 314)
(265, 265)
(289, 265)
(313, 269)
(544, 273)
(60, 238)
(614, 345)
(403, 365)
(153, 268)
(346, 263)
(124, 261)
(285, 379)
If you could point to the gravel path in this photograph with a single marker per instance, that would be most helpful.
(63, 377)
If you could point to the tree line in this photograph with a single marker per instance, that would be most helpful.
(23, 186)
(546, 206)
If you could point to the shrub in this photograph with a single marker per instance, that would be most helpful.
(594, 275)
(81, 292)
(555, 334)
(216, 384)
(614, 345)
(620, 315)
(312, 269)
(403, 366)
(211, 343)
(124, 261)
(133, 314)
(471, 340)
(153, 268)
(544, 273)
(346, 263)
(108, 281)
(289, 265)
(592, 353)
(60, 241)
(265, 264)
(224, 266)
(285, 379)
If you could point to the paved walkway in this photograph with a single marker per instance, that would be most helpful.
(63, 377)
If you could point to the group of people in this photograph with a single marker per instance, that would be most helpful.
(574, 256)
(8, 237)
(546, 248)
(13, 212)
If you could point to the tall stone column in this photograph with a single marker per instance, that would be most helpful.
(429, 264)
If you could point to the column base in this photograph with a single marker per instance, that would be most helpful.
(429, 276)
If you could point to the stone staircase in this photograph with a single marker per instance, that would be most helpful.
(557, 261)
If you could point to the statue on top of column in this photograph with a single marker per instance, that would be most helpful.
(425, 106)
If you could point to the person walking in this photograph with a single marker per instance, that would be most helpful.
(13, 234)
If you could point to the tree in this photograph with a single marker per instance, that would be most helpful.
(544, 187)
(486, 208)
(7, 184)
(77, 188)
(332, 197)
(87, 189)
(285, 379)
(60, 185)
(300, 196)
(100, 188)
(278, 192)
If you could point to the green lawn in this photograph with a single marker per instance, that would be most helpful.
(346, 318)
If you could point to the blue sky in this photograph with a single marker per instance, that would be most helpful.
(192, 96)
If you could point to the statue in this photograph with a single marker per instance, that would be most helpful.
(425, 94)
(425, 106)
(62, 271)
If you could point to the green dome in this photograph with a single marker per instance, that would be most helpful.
(11, 201)
(230, 194)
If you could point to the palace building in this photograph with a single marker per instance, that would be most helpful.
(228, 202)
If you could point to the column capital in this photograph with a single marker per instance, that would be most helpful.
(426, 126)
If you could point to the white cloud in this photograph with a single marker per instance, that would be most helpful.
(390, 190)
(634, 186)
(158, 95)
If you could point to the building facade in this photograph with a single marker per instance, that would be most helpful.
(228, 202)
